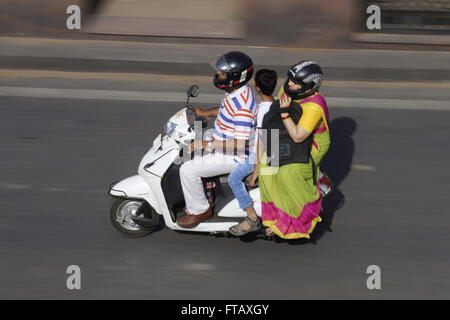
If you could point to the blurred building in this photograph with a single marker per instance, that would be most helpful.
(175, 18)
(418, 16)
(276, 22)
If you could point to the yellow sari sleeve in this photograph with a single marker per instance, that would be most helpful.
(312, 114)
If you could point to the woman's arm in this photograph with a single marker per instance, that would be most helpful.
(296, 132)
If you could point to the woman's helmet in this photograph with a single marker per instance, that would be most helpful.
(306, 73)
(239, 69)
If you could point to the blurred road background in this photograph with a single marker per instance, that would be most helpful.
(79, 109)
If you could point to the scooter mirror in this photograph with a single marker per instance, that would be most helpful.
(193, 91)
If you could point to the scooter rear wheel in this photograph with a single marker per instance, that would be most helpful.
(121, 213)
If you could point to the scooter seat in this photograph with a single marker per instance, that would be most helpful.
(223, 179)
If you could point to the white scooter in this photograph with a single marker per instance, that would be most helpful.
(144, 202)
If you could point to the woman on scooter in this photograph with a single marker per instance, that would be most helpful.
(290, 198)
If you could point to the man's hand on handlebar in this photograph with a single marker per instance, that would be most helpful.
(200, 112)
(197, 145)
(206, 113)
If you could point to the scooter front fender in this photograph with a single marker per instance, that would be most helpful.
(134, 187)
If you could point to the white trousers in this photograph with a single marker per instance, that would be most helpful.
(192, 172)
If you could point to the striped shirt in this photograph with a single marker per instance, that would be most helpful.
(236, 118)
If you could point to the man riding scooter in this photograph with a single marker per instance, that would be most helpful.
(232, 130)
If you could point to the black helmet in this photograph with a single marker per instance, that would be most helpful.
(239, 69)
(306, 73)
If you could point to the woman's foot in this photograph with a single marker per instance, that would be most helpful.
(269, 232)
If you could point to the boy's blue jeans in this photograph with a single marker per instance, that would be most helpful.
(236, 182)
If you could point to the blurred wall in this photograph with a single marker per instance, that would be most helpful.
(301, 22)
(34, 17)
(267, 21)
(175, 18)
(414, 16)
(320, 23)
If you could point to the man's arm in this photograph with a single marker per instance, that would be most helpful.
(243, 128)
(206, 113)
(222, 145)
(230, 145)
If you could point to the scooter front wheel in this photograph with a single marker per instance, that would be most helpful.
(122, 212)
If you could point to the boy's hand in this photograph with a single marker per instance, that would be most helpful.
(252, 179)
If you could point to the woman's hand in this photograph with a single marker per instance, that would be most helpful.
(285, 103)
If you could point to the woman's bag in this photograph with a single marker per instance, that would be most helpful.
(288, 150)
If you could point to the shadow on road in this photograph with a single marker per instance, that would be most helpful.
(337, 164)
(338, 161)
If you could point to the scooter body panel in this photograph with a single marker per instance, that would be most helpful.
(159, 158)
(232, 209)
(135, 187)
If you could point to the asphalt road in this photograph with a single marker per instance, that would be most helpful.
(58, 157)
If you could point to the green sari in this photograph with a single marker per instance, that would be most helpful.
(290, 200)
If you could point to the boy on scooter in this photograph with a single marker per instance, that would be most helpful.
(265, 83)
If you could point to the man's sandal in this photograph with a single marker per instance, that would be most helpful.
(254, 226)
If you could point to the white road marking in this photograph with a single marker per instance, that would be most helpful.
(15, 186)
(196, 267)
(189, 79)
(55, 189)
(363, 167)
(333, 102)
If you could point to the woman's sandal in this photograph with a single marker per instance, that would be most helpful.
(269, 233)
(254, 226)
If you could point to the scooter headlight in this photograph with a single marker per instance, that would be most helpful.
(170, 127)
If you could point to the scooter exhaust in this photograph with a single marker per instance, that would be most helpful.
(146, 224)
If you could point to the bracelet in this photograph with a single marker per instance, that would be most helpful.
(287, 117)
